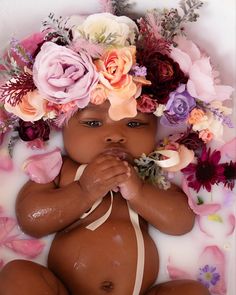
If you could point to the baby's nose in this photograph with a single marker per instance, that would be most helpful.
(117, 138)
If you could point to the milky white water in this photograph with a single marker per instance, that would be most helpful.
(213, 33)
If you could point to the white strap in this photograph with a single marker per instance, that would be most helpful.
(80, 171)
(95, 224)
(140, 250)
(135, 222)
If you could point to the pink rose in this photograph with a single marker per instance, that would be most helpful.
(98, 95)
(203, 81)
(63, 75)
(206, 135)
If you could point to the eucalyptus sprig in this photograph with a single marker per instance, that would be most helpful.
(172, 22)
(149, 170)
(120, 7)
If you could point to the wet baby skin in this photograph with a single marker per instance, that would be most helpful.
(103, 260)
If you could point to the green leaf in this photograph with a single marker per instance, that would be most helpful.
(200, 200)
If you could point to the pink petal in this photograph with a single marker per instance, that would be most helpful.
(213, 256)
(6, 162)
(29, 248)
(232, 221)
(44, 168)
(204, 209)
(6, 226)
(228, 150)
(182, 59)
(202, 227)
(177, 273)
(222, 92)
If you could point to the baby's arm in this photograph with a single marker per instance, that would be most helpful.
(167, 210)
(46, 208)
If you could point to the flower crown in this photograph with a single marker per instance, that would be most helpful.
(146, 65)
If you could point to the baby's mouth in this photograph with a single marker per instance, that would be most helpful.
(120, 153)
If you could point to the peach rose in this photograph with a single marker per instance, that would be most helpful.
(114, 64)
(31, 108)
(113, 68)
(196, 116)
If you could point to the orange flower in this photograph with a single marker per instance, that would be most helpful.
(195, 116)
(31, 108)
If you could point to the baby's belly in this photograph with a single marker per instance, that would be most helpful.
(102, 261)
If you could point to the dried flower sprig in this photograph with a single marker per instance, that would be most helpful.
(172, 22)
(120, 7)
(58, 31)
(14, 90)
(217, 113)
(9, 66)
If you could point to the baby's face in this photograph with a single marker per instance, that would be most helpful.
(91, 132)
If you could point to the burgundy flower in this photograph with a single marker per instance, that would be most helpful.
(192, 141)
(145, 104)
(32, 130)
(229, 174)
(206, 172)
(164, 73)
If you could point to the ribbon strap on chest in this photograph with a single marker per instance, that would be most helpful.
(135, 223)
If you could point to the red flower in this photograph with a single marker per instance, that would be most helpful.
(164, 73)
(206, 172)
(145, 104)
(32, 130)
(229, 174)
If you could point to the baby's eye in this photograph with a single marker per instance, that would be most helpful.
(92, 123)
(134, 124)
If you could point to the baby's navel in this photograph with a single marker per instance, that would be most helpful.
(107, 286)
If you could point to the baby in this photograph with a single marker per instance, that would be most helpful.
(100, 209)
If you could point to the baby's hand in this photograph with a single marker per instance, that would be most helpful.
(105, 173)
(132, 185)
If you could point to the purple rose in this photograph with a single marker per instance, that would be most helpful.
(32, 130)
(178, 107)
(63, 75)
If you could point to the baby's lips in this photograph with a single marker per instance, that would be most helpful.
(121, 154)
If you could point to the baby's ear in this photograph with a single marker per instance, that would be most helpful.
(43, 168)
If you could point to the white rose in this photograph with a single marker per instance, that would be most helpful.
(107, 28)
(209, 122)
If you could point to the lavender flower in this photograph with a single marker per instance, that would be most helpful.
(208, 276)
(178, 107)
(139, 71)
(20, 51)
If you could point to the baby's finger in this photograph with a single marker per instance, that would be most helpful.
(114, 182)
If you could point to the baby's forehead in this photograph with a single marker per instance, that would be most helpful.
(103, 110)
